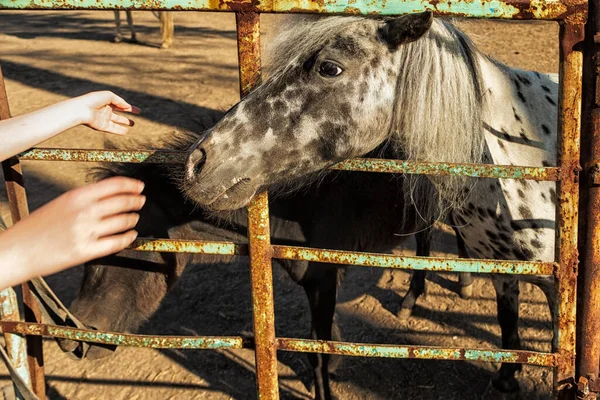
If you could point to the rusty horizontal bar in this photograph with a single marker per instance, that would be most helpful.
(284, 344)
(413, 263)
(356, 164)
(128, 340)
(351, 258)
(575, 10)
(449, 169)
(90, 155)
(420, 352)
(189, 246)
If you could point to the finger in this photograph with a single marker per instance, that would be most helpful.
(114, 244)
(110, 187)
(121, 105)
(116, 128)
(119, 119)
(119, 204)
(116, 224)
(133, 110)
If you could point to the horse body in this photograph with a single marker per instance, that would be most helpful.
(520, 129)
(339, 213)
(341, 86)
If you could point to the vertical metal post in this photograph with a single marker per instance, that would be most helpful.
(17, 201)
(588, 350)
(569, 114)
(262, 298)
(248, 38)
(248, 31)
(15, 344)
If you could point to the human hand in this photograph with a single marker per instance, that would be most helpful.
(97, 110)
(83, 224)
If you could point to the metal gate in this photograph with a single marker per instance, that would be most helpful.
(571, 15)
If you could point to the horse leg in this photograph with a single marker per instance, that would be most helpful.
(167, 28)
(118, 37)
(546, 284)
(465, 280)
(417, 279)
(507, 297)
(130, 24)
(320, 283)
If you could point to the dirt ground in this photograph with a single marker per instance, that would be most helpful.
(49, 56)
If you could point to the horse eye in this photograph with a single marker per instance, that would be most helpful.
(329, 69)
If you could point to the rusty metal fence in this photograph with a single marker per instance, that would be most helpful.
(570, 14)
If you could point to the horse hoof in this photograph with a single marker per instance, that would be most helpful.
(165, 45)
(404, 313)
(466, 292)
(506, 385)
(117, 39)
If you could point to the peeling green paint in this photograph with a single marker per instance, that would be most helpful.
(357, 164)
(413, 263)
(420, 352)
(511, 9)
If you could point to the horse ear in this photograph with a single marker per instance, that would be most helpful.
(407, 28)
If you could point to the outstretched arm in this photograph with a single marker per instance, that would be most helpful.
(96, 110)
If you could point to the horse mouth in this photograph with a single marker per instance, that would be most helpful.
(237, 196)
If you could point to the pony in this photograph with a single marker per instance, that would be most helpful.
(332, 214)
(166, 27)
(339, 87)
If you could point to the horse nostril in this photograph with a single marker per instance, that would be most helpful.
(196, 161)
